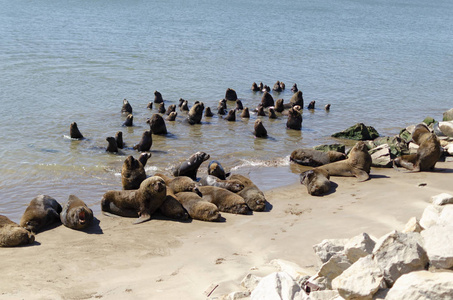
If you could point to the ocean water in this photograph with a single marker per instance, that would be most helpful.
(387, 64)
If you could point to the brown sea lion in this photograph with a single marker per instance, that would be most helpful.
(419, 133)
(315, 158)
(76, 214)
(161, 108)
(157, 124)
(197, 208)
(145, 143)
(127, 108)
(231, 95)
(245, 113)
(282, 85)
(172, 116)
(231, 115)
(357, 164)
(239, 105)
(297, 99)
(74, 132)
(272, 114)
(190, 166)
(208, 113)
(294, 120)
(277, 87)
(180, 102)
(180, 184)
(260, 111)
(171, 108)
(428, 154)
(129, 121)
(316, 180)
(216, 169)
(184, 106)
(172, 208)
(225, 200)
(221, 111)
(231, 185)
(143, 158)
(12, 234)
(150, 105)
(267, 100)
(311, 105)
(279, 105)
(158, 97)
(251, 194)
(132, 203)
(294, 89)
(255, 87)
(260, 86)
(112, 146)
(266, 88)
(327, 107)
(119, 140)
(195, 113)
(42, 211)
(132, 174)
(258, 129)
(223, 104)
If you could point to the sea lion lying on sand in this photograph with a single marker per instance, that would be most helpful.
(172, 208)
(12, 235)
(225, 200)
(76, 214)
(251, 194)
(231, 185)
(190, 166)
(180, 184)
(316, 180)
(197, 208)
(42, 211)
(315, 158)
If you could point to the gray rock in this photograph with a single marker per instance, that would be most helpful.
(413, 225)
(439, 246)
(324, 295)
(359, 246)
(332, 147)
(336, 265)
(381, 157)
(327, 248)
(358, 131)
(278, 285)
(446, 128)
(448, 115)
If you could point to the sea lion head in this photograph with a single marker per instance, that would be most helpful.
(235, 185)
(216, 169)
(131, 163)
(316, 180)
(199, 157)
(33, 225)
(81, 217)
(154, 185)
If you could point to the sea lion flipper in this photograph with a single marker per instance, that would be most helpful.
(360, 174)
(142, 218)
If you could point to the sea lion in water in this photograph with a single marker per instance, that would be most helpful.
(197, 208)
(294, 89)
(315, 158)
(143, 158)
(311, 105)
(272, 114)
(327, 107)
(223, 104)
(172, 208)
(231, 95)
(184, 105)
(225, 200)
(267, 100)
(297, 99)
(190, 166)
(76, 214)
(251, 194)
(145, 143)
(74, 132)
(316, 180)
(255, 87)
(129, 121)
(12, 234)
(245, 113)
(277, 87)
(161, 108)
(171, 108)
(231, 115)
(208, 112)
(150, 105)
(239, 105)
(119, 140)
(258, 129)
(279, 107)
(142, 202)
(112, 146)
(43, 210)
(260, 111)
(158, 97)
(231, 185)
(294, 120)
(172, 116)
(260, 86)
(195, 113)
(132, 174)
(157, 124)
(357, 164)
(216, 169)
(127, 108)
(180, 184)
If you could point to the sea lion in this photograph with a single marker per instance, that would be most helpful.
(294, 120)
(127, 108)
(297, 99)
(190, 166)
(216, 169)
(277, 87)
(231, 115)
(294, 89)
(196, 113)
(311, 105)
(172, 208)
(272, 114)
(161, 108)
(279, 107)
(145, 143)
(222, 103)
(142, 202)
(157, 124)
(251, 194)
(184, 105)
(180, 184)
(197, 208)
(132, 174)
(357, 164)
(76, 214)
(143, 158)
(316, 180)
(208, 113)
(260, 111)
(221, 111)
(171, 108)
(260, 86)
(255, 87)
(172, 116)
(150, 105)
(231, 185)
(267, 100)
(258, 129)
(119, 140)
(327, 107)
(158, 97)
(419, 133)
(180, 102)
(225, 200)
(43, 210)
(245, 113)
(266, 88)
(231, 95)
(129, 121)
(74, 132)
(112, 146)
(315, 158)
(282, 85)
(12, 234)
(239, 105)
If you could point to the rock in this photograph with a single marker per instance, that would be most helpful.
(399, 253)
(449, 149)
(332, 147)
(441, 199)
(327, 248)
(324, 295)
(250, 281)
(439, 245)
(381, 157)
(446, 216)
(413, 225)
(397, 145)
(358, 132)
(405, 134)
(336, 265)
(296, 272)
(448, 115)
(361, 280)
(446, 127)
(237, 295)
(359, 246)
(430, 216)
(422, 285)
(413, 148)
(278, 285)
(428, 121)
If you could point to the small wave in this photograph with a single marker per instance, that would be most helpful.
(278, 162)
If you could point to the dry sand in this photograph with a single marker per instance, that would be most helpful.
(165, 259)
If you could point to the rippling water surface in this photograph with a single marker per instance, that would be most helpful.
(385, 63)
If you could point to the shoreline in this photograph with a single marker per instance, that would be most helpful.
(169, 259)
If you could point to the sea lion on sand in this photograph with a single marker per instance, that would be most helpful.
(245, 113)
(239, 105)
(315, 158)
(225, 200)
(158, 97)
(258, 129)
(172, 116)
(127, 108)
(76, 214)
(297, 99)
(157, 124)
(357, 164)
(180, 184)
(231, 185)
(74, 132)
(311, 105)
(316, 180)
(190, 166)
(112, 146)
(208, 113)
(142, 202)
(132, 174)
(12, 234)
(119, 140)
(129, 121)
(197, 208)
(145, 143)
(195, 113)
(255, 87)
(267, 100)
(251, 194)
(231, 95)
(172, 208)
(171, 108)
(294, 120)
(161, 109)
(231, 115)
(216, 169)
(43, 210)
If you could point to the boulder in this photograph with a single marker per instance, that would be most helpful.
(332, 147)
(250, 281)
(278, 285)
(358, 132)
(413, 148)
(381, 157)
(237, 295)
(405, 134)
(448, 115)
(449, 148)
(413, 225)
(422, 285)
(429, 120)
(324, 295)
(430, 216)
(439, 246)
(441, 199)
(359, 246)
(327, 248)
(336, 265)
(397, 145)
(296, 272)
(446, 127)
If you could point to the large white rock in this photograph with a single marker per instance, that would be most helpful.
(430, 216)
(399, 253)
(250, 281)
(361, 280)
(423, 285)
(446, 127)
(359, 246)
(275, 286)
(380, 156)
(336, 265)
(327, 248)
(439, 246)
(413, 225)
(294, 270)
(441, 199)
(449, 148)
(324, 295)
(446, 216)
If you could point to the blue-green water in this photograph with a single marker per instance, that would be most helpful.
(387, 64)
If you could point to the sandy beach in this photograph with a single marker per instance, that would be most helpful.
(166, 259)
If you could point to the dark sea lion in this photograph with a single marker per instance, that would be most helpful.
(221, 111)
(208, 113)
(316, 180)
(245, 113)
(76, 214)
(74, 132)
(161, 108)
(180, 102)
(216, 169)
(294, 120)
(260, 86)
(266, 88)
(267, 100)
(119, 140)
(272, 114)
(172, 116)
(197, 208)
(231, 185)
(127, 108)
(297, 99)
(171, 108)
(239, 105)
(184, 106)
(225, 200)
(357, 164)
(42, 211)
(172, 208)
(132, 174)
(277, 87)
(112, 146)
(419, 133)
(294, 89)
(157, 124)
(150, 105)
(231, 115)
(158, 97)
(279, 105)
(258, 129)
(327, 107)
(145, 143)
(282, 85)
(260, 111)
(315, 158)
(231, 95)
(255, 87)
(180, 184)
(222, 103)
(132, 203)
(196, 113)
(311, 105)
(251, 194)
(143, 159)
(129, 121)
(190, 166)
(12, 235)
